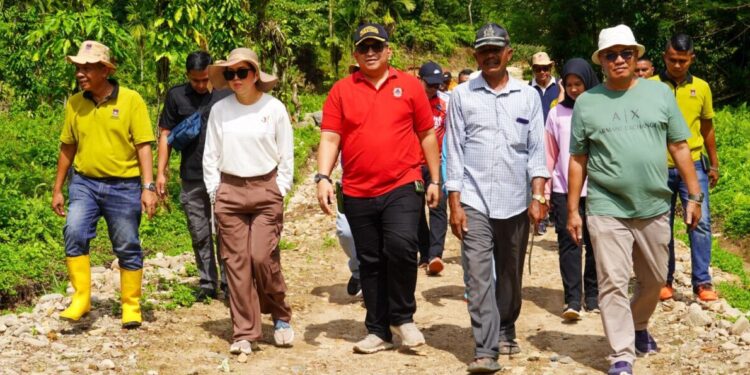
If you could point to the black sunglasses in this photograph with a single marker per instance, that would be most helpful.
(542, 68)
(378, 47)
(240, 73)
(626, 55)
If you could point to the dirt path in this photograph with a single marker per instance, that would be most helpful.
(327, 322)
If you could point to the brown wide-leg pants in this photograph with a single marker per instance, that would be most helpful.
(249, 215)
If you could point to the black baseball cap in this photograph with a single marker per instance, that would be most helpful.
(370, 31)
(431, 73)
(491, 34)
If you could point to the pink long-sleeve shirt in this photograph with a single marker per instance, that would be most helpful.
(557, 146)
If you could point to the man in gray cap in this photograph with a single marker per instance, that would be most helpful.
(491, 201)
(620, 132)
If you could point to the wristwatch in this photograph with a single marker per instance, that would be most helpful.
(149, 186)
(540, 198)
(319, 177)
(697, 198)
(434, 183)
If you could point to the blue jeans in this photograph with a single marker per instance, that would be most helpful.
(119, 201)
(700, 237)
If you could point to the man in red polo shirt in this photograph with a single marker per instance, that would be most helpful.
(381, 121)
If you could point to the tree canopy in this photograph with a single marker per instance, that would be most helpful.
(305, 42)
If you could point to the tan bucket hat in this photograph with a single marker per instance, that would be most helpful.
(92, 52)
(541, 58)
(265, 82)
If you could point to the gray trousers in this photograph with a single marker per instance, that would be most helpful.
(344, 234)
(197, 207)
(494, 305)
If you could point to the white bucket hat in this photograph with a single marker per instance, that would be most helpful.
(619, 35)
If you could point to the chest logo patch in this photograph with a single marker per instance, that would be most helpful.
(692, 92)
(397, 92)
(115, 113)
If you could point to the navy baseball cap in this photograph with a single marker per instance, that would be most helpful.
(491, 34)
(370, 31)
(431, 73)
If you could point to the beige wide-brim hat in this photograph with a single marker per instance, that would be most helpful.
(265, 82)
(92, 52)
(619, 35)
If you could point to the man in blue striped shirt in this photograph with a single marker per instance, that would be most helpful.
(495, 178)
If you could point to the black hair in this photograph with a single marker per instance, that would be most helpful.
(681, 43)
(644, 58)
(465, 72)
(198, 60)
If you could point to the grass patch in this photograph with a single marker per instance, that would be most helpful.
(312, 102)
(330, 242)
(736, 293)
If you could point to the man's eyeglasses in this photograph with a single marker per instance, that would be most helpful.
(541, 68)
(362, 48)
(625, 54)
(240, 73)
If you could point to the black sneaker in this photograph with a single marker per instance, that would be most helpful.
(353, 287)
(203, 295)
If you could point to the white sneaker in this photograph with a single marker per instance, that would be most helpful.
(283, 334)
(571, 314)
(372, 344)
(410, 335)
(241, 346)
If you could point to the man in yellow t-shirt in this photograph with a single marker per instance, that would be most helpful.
(106, 137)
(693, 96)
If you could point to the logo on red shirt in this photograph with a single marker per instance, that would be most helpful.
(397, 92)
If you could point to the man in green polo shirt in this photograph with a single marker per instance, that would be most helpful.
(620, 132)
(693, 96)
(106, 137)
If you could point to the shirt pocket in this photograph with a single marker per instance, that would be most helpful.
(517, 132)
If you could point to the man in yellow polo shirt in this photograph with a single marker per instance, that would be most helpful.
(106, 137)
(693, 96)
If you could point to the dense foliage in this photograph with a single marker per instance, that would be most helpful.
(307, 42)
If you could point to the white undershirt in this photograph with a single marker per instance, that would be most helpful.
(248, 141)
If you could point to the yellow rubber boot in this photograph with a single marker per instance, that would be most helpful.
(130, 285)
(79, 271)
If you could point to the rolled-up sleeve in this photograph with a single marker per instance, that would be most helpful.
(454, 145)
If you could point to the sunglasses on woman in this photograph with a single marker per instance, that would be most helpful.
(240, 73)
(626, 55)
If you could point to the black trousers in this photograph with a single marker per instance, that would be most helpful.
(570, 257)
(432, 236)
(385, 235)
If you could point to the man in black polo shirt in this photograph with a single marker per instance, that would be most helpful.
(181, 102)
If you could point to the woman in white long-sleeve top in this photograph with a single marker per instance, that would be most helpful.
(247, 167)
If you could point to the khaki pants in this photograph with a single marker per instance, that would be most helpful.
(250, 218)
(622, 245)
